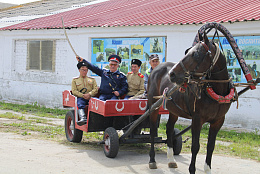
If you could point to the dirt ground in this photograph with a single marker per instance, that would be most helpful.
(26, 155)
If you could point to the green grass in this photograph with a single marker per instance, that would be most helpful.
(244, 145)
(9, 115)
(49, 131)
(34, 109)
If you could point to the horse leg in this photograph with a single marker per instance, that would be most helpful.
(195, 130)
(170, 132)
(213, 131)
(153, 134)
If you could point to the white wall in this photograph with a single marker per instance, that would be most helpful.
(18, 84)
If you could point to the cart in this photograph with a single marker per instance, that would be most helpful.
(110, 116)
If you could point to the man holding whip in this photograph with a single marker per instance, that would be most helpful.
(113, 82)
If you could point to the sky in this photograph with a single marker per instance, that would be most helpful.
(17, 1)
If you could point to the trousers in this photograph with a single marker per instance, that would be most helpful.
(81, 102)
(105, 97)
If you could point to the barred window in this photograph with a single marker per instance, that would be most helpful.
(41, 55)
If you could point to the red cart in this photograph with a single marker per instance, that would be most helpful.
(110, 116)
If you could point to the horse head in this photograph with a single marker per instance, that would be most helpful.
(197, 62)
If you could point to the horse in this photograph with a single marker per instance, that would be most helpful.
(100, 57)
(203, 67)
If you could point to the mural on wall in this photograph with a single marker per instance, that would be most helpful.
(128, 49)
(250, 48)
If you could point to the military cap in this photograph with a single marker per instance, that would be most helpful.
(115, 58)
(153, 56)
(136, 61)
(80, 64)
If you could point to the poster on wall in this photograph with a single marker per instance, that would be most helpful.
(250, 48)
(128, 49)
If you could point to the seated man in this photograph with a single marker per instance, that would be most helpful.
(153, 61)
(135, 80)
(83, 87)
(113, 82)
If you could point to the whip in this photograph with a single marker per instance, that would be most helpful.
(67, 38)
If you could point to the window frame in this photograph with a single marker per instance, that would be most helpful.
(40, 55)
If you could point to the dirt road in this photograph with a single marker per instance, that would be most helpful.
(29, 156)
(26, 155)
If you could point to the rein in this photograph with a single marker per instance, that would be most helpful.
(189, 74)
(211, 81)
(200, 81)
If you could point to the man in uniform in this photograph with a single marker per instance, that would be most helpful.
(113, 82)
(135, 80)
(153, 61)
(83, 87)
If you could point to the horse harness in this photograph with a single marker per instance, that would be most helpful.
(203, 84)
(189, 75)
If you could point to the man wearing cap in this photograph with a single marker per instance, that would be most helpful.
(113, 82)
(153, 61)
(83, 87)
(135, 80)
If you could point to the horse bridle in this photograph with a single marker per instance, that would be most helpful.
(193, 74)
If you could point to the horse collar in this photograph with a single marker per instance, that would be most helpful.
(221, 99)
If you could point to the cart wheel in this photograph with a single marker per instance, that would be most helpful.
(177, 143)
(111, 140)
(72, 134)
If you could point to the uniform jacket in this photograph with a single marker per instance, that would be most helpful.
(79, 83)
(117, 80)
(135, 84)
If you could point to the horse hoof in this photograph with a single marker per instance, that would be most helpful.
(152, 165)
(207, 169)
(172, 165)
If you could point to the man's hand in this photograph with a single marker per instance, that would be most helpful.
(86, 96)
(79, 59)
(116, 93)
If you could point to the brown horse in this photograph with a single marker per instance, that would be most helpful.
(200, 68)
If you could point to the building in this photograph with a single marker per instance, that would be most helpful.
(11, 14)
(173, 23)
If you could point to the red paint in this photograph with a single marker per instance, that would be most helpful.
(108, 108)
(146, 12)
(219, 98)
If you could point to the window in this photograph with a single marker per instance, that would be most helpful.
(41, 55)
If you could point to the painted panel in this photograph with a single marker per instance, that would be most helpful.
(128, 49)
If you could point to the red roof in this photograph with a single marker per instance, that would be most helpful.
(148, 12)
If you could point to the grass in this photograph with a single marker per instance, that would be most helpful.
(34, 109)
(231, 143)
(9, 115)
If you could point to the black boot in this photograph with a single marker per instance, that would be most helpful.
(82, 117)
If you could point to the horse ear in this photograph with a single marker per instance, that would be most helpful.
(205, 39)
(187, 50)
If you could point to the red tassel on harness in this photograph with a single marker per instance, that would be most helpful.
(183, 88)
